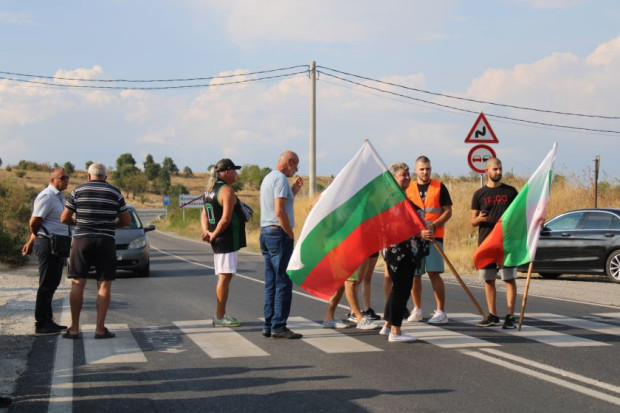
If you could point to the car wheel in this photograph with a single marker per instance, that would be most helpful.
(549, 275)
(145, 271)
(612, 266)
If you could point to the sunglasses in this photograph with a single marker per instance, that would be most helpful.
(63, 178)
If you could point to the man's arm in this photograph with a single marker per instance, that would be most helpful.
(67, 217)
(124, 220)
(477, 217)
(281, 215)
(34, 225)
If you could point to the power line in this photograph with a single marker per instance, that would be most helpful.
(468, 110)
(473, 100)
(57, 85)
(156, 80)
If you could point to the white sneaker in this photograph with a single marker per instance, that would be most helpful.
(403, 338)
(416, 315)
(439, 317)
(335, 323)
(385, 331)
(366, 324)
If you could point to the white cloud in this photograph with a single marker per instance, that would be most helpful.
(552, 4)
(16, 18)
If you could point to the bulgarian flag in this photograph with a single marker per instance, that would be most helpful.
(514, 239)
(361, 212)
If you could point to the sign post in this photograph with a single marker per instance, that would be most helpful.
(480, 133)
(166, 203)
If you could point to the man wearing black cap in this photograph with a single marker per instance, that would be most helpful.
(223, 226)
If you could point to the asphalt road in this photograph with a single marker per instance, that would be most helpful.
(168, 357)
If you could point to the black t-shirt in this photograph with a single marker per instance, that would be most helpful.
(494, 201)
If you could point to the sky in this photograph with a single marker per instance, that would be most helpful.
(411, 76)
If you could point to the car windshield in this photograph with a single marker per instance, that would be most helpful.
(135, 220)
(566, 222)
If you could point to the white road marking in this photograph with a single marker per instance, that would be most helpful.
(442, 337)
(578, 323)
(552, 338)
(328, 340)
(61, 388)
(610, 315)
(544, 376)
(120, 349)
(220, 342)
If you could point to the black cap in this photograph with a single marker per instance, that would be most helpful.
(225, 165)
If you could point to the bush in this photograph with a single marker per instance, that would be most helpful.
(15, 210)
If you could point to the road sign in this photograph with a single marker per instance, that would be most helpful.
(481, 132)
(166, 200)
(477, 157)
(191, 201)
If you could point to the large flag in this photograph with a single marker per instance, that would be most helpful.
(514, 238)
(361, 212)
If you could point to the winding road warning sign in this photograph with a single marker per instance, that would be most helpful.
(481, 132)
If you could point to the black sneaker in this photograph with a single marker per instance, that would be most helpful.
(47, 330)
(286, 333)
(370, 313)
(509, 322)
(490, 321)
(351, 317)
(266, 333)
(58, 325)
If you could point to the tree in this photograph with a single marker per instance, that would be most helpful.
(0, 161)
(151, 169)
(135, 183)
(161, 184)
(252, 175)
(69, 168)
(125, 166)
(187, 172)
(88, 164)
(169, 166)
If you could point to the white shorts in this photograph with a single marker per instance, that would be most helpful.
(489, 274)
(225, 263)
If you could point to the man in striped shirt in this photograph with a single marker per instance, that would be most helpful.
(96, 208)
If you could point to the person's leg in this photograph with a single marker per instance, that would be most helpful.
(333, 303)
(387, 283)
(50, 273)
(76, 299)
(284, 285)
(221, 293)
(511, 295)
(439, 289)
(268, 245)
(350, 290)
(416, 292)
(104, 294)
(366, 282)
(491, 294)
(403, 282)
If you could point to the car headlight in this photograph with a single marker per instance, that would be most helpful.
(139, 242)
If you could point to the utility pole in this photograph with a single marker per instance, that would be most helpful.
(312, 152)
(597, 161)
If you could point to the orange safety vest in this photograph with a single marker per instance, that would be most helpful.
(431, 206)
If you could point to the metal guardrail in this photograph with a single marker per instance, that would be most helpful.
(148, 215)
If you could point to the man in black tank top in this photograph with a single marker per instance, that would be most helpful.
(223, 226)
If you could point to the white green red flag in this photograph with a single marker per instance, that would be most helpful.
(514, 238)
(361, 212)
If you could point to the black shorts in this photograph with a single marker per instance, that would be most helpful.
(98, 252)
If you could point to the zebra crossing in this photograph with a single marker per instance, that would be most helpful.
(223, 342)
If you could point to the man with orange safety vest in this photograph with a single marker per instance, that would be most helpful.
(433, 198)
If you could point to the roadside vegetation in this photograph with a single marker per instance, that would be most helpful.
(144, 185)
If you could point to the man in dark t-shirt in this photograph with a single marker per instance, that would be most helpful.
(487, 206)
(96, 208)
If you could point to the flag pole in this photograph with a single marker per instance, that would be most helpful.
(527, 287)
(459, 279)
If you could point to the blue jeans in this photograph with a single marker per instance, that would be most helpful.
(277, 249)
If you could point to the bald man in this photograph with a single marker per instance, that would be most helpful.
(277, 221)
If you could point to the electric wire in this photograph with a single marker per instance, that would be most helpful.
(468, 110)
(472, 100)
